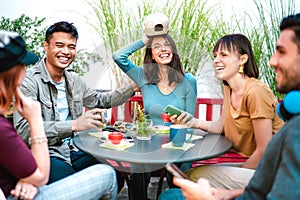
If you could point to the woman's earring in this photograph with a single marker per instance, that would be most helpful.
(241, 69)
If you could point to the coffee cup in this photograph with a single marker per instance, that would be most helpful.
(115, 137)
(178, 135)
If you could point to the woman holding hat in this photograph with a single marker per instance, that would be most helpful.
(23, 171)
(162, 80)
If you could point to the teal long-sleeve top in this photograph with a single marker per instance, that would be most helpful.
(183, 96)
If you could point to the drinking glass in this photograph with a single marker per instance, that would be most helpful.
(144, 130)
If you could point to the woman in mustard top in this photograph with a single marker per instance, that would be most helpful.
(248, 117)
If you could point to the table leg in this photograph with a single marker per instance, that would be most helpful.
(129, 186)
(145, 191)
(139, 184)
(160, 182)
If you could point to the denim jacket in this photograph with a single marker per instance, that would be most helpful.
(39, 86)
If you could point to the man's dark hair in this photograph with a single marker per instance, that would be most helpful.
(62, 26)
(292, 22)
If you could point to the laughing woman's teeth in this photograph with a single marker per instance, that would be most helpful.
(164, 55)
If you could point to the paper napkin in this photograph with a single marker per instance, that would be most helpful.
(185, 146)
(99, 134)
(194, 137)
(118, 147)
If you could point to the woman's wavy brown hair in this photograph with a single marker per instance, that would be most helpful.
(9, 81)
(176, 72)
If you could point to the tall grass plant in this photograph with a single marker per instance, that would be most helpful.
(263, 33)
(121, 22)
(195, 27)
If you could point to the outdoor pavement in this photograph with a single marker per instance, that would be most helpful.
(123, 195)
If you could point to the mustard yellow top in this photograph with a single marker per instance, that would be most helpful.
(258, 102)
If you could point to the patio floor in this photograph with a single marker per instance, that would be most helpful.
(123, 195)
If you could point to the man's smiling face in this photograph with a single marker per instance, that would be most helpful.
(286, 62)
(60, 50)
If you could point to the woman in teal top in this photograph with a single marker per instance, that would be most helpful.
(162, 82)
(161, 79)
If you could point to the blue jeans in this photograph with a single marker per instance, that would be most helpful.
(171, 194)
(91, 183)
(60, 169)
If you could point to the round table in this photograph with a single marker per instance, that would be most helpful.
(148, 155)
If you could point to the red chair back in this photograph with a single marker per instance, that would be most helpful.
(209, 103)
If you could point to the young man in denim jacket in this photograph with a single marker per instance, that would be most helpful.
(63, 95)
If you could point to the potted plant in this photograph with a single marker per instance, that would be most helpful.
(144, 125)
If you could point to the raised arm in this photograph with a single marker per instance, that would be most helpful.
(121, 58)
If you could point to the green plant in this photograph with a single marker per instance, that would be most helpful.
(195, 27)
(141, 116)
(264, 34)
(30, 29)
(144, 125)
(120, 23)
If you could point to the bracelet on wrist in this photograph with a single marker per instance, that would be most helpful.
(37, 140)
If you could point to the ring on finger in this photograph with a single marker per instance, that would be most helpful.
(23, 190)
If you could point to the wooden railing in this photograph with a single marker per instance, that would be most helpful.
(209, 104)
